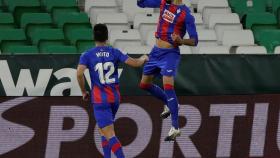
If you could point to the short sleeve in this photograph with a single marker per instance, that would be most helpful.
(121, 56)
(191, 28)
(83, 59)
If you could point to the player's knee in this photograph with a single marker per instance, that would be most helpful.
(145, 85)
(108, 131)
(168, 80)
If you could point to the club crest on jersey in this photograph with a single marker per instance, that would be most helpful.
(168, 16)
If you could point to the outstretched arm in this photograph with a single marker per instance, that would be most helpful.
(134, 62)
(149, 3)
(137, 62)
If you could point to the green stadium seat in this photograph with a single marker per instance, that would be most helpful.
(257, 28)
(257, 18)
(269, 5)
(268, 38)
(6, 20)
(1, 7)
(63, 18)
(18, 47)
(35, 18)
(275, 6)
(278, 17)
(242, 7)
(75, 35)
(84, 45)
(12, 34)
(51, 4)
(45, 34)
(19, 11)
(13, 4)
(56, 47)
(56, 11)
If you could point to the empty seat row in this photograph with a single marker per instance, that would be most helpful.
(229, 37)
(61, 48)
(45, 26)
(202, 4)
(120, 20)
(37, 34)
(20, 7)
(49, 47)
(11, 5)
(243, 7)
(129, 7)
(41, 37)
(204, 50)
(59, 19)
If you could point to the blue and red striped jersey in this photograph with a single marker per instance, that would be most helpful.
(173, 19)
(102, 62)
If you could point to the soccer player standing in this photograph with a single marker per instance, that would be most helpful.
(102, 62)
(174, 21)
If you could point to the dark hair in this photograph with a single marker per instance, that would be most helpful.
(100, 33)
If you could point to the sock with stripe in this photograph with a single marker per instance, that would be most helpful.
(155, 90)
(116, 147)
(106, 147)
(172, 104)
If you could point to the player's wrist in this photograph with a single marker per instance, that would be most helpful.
(84, 92)
(181, 42)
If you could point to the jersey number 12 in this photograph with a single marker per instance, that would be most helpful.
(108, 66)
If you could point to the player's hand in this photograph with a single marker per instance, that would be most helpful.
(145, 57)
(177, 39)
(85, 96)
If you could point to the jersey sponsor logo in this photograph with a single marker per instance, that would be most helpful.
(102, 54)
(168, 16)
(178, 11)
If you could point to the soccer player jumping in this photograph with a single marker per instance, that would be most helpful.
(102, 62)
(175, 19)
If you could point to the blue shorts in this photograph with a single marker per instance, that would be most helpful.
(105, 113)
(162, 61)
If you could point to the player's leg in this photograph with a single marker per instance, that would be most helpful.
(114, 142)
(150, 69)
(147, 84)
(99, 114)
(104, 117)
(168, 70)
(168, 82)
(105, 145)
